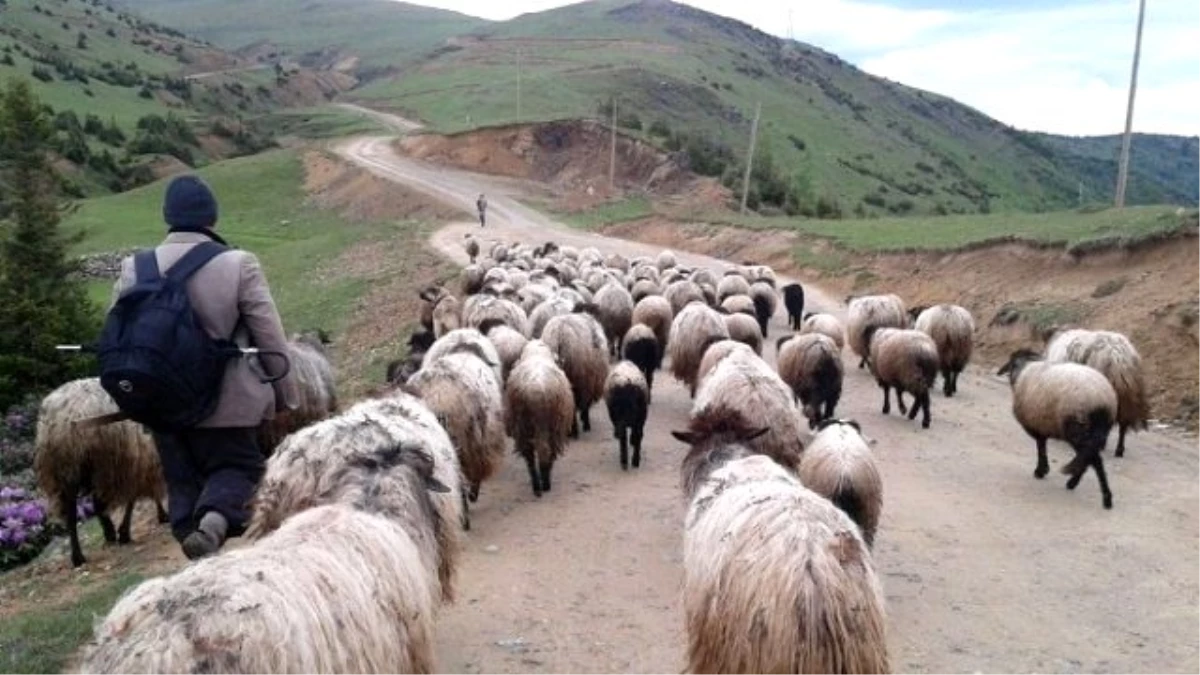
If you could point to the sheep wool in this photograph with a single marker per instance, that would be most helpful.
(839, 466)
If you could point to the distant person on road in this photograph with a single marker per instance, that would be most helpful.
(481, 204)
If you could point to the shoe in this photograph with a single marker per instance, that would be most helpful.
(208, 537)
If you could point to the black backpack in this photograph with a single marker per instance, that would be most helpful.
(156, 361)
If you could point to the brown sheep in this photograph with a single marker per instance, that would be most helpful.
(539, 412)
(872, 311)
(839, 466)
(692, 330)
(907, 360)
(579, 345)
(953, 331)
(811, 365)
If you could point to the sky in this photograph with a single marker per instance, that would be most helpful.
(1056, 66)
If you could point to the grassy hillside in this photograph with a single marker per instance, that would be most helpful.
(1163, 169)
(383, 34)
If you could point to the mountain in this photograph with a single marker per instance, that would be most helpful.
(131, 98)
(690, 80)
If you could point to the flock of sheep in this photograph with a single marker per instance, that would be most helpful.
(358, 520)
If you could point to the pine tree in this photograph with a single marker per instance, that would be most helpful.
(42, 302)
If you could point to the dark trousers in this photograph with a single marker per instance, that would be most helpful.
(210, 470)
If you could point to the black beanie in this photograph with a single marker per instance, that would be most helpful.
(189, 204)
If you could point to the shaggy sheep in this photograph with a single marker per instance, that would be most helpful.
(616, 314)
(579, 345)
(765, 303)
(793, 300)
(469, 341)
(717, 349)
(1118, 360)
(627, 397)
(481, 308)
(556, 305)
(533, 294)
(116, 463)
(508, 342)
(643, 288)
(740, 304)
(810, 364)
(472, 247)
(744, 329)
(691, 330)
(872, 311)
(742, 392)
(732, 284)
(310, 467)
(907, 360)
(539, 412)
(470, 280)
(655, 311)
(665, 260)
(316, 386)
(1067, 401)
(642, 348)
(953, 331)
(704, 277)
(334, 590)
(617, 262)
(825, 324)
(441, 312)
(682, 293)
(465, 394)
(776, 578)
(839, 466)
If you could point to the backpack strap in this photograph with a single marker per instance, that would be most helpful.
(197, 257)
(145, 265)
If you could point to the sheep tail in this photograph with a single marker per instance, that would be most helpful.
(1088, 437)
(851, 503)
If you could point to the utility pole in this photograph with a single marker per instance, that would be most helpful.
(1123, 171)
(518, 84)
(612, 151)
(750, 155)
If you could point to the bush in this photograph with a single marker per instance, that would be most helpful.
(7, 60)
(630, 121)
(42, 74)
(797, 142)
(660, 128)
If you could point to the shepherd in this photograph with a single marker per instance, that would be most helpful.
(481, 204)
(202, 401)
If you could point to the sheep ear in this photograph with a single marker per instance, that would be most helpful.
(434, 485)
(1005, 368)
(685, 436)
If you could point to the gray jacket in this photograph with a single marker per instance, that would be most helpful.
(229, 287)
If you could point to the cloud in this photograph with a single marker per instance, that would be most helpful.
(1062, 69)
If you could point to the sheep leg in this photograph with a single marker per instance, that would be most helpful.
(123, 533)
(161, 513)
(900, 401)
(574, 427)
(473, 495)
(1121, 440)
(622, 440)
(585, 415)
(863, 363)
(887, 400)
(1043, 464)
(534, 478)
(106, 523)
(947, 382)
(1106, 494)
(830, 404)
(68, 507)
(466, 513)
(544, 469)
(637, 444)
(925, 404)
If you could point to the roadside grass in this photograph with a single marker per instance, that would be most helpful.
(615, 211)
(319, 123)
(44, 639)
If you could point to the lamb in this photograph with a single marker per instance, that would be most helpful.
(627, 397)
(643, 349)
(465, 394)
(793, 300)
(744, 329)
(776, 578)
(310, 466)
(508, 342)
(825, 324)
(539, 412)
(810, 364)
(872, 311)
(742, 392)
(117, 463)
(1115, 356)
(616, 314)
(579, 345)
(655, 312)
(1067, 401)
(472, 247)
(838, 465)
(691, 330)
(953, 331)
(318, 397)
(682, 293)
(907, 360)
(732, 284)
(765, 302)
(334, 590)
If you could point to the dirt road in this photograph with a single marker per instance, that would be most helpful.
(984, 567)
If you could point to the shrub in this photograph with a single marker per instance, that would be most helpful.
(42, 74)
(660, 128)
(797, 142)
(7, 60)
